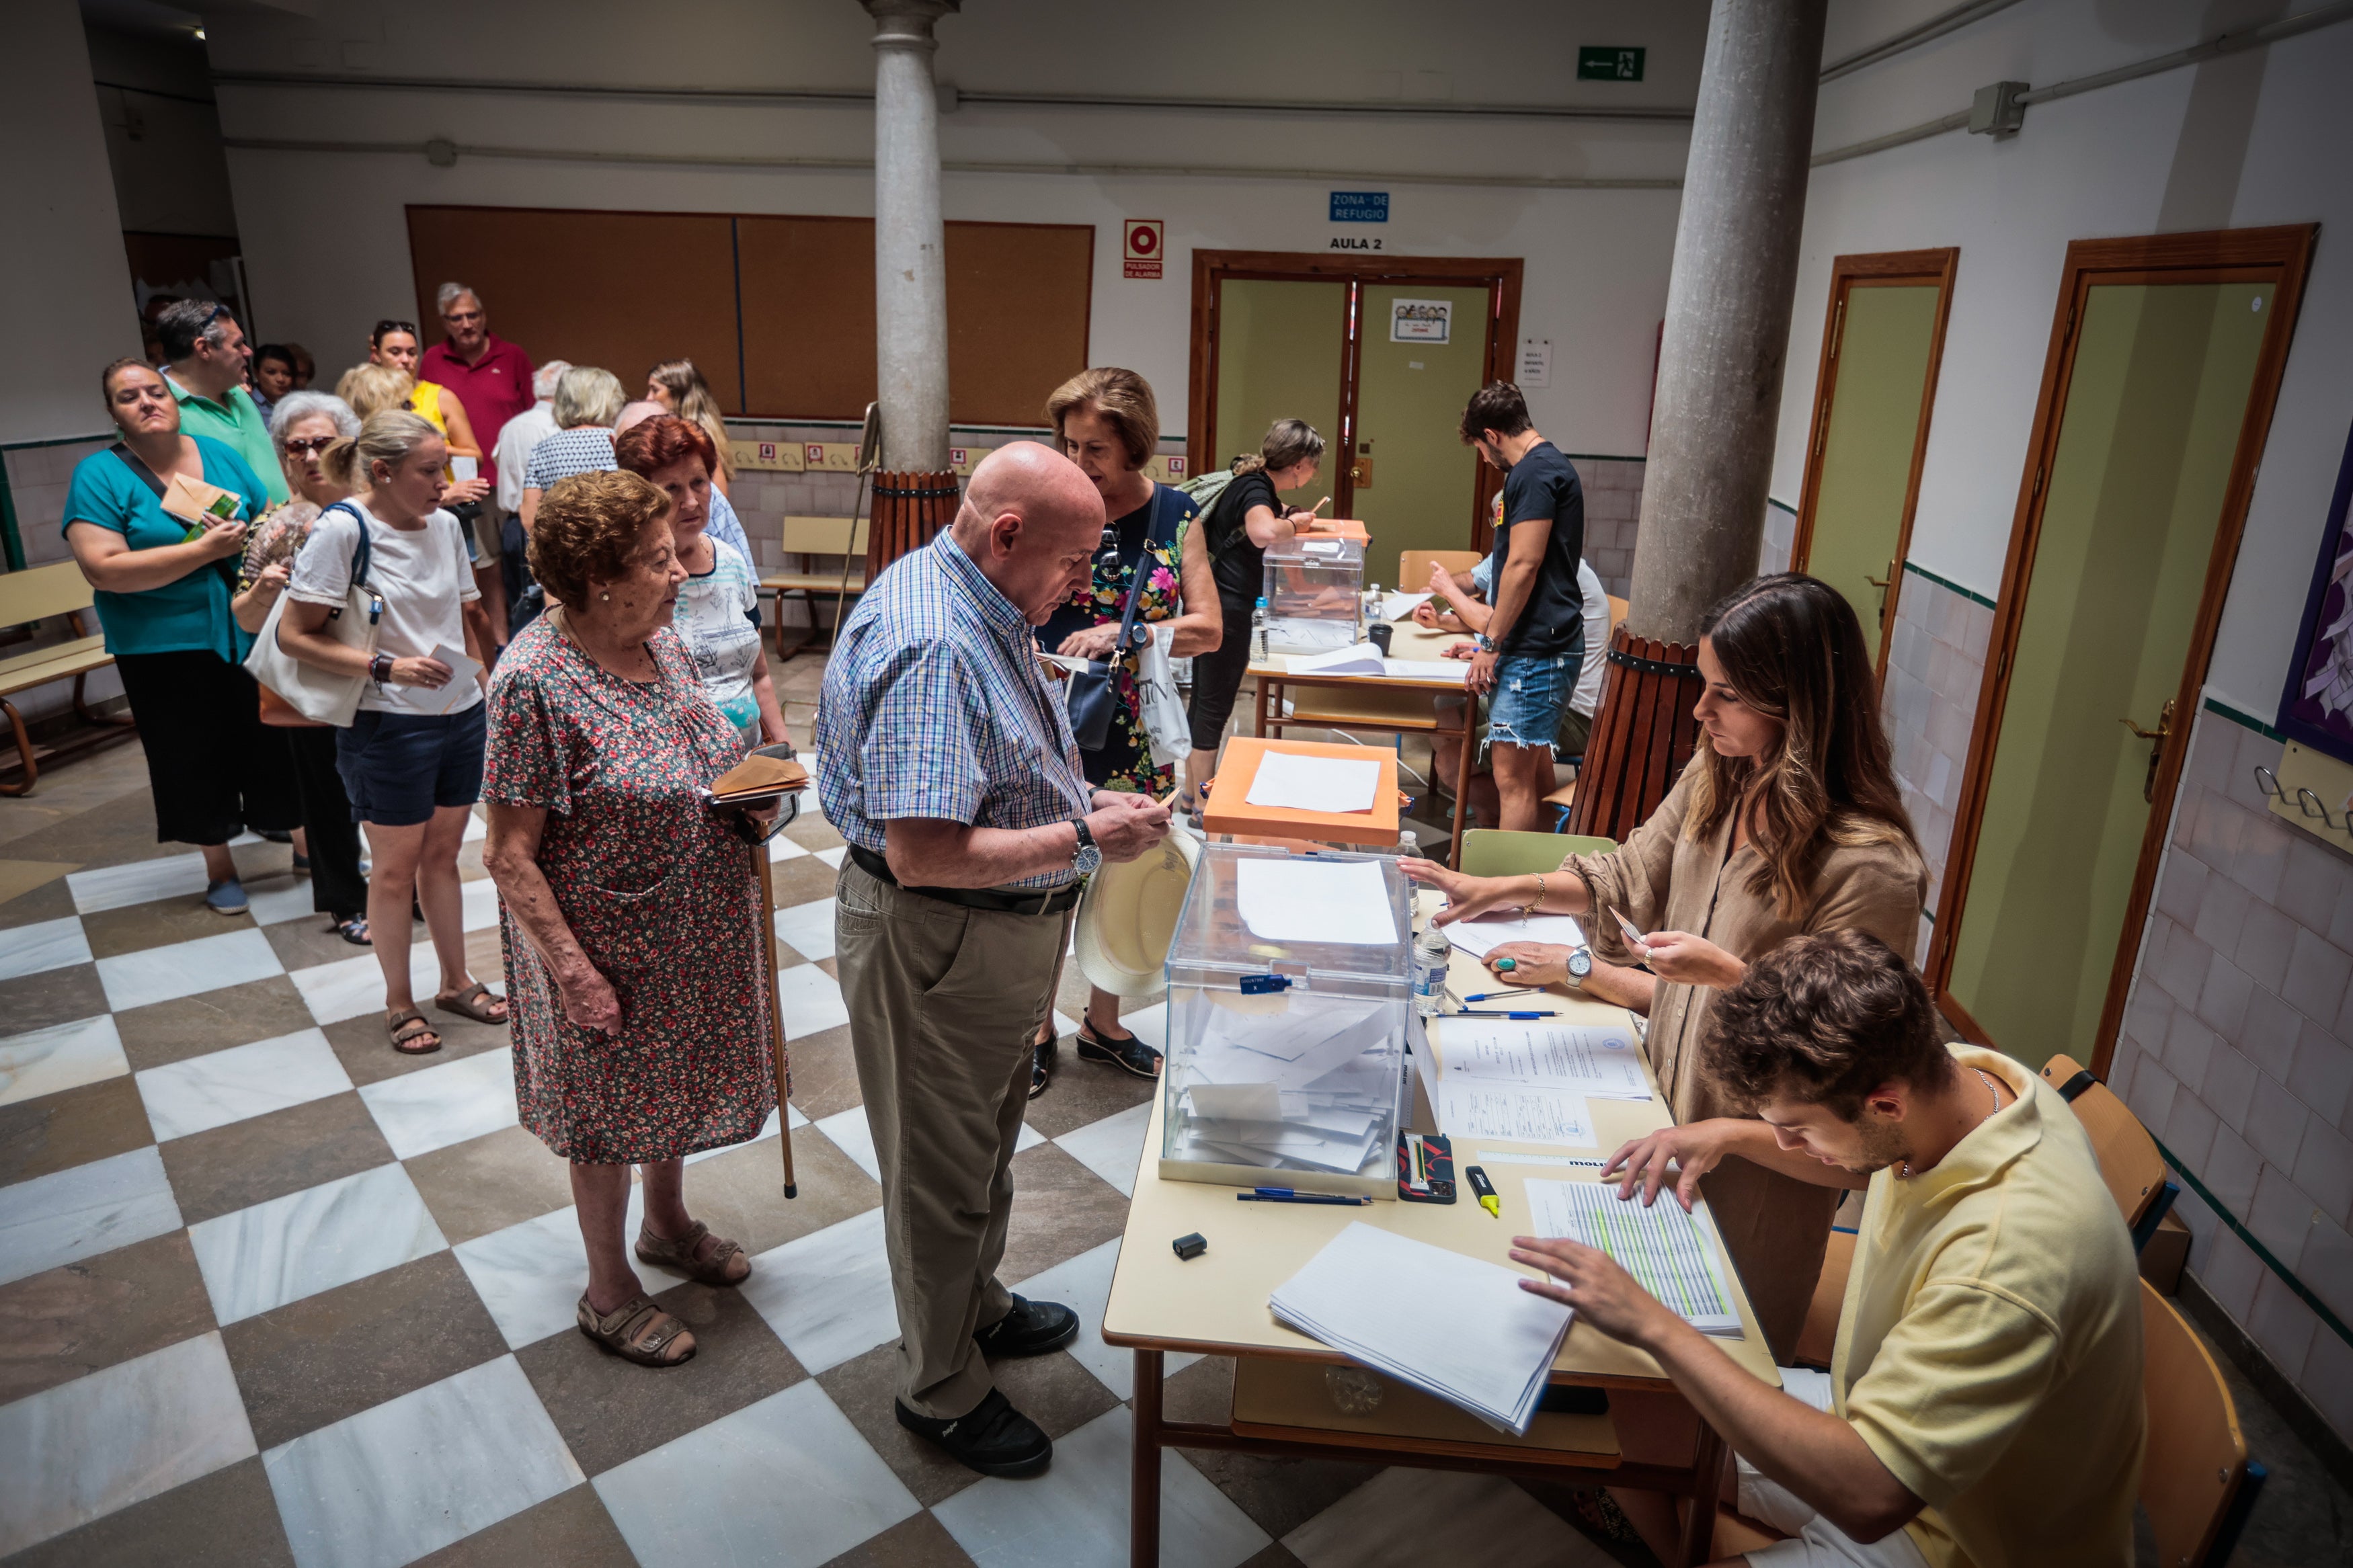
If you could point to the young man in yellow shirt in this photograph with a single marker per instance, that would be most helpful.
(1985, 1403)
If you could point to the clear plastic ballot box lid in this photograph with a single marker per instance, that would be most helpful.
(1290, 986)
(1315, 595)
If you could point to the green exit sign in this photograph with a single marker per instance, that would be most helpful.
(1609, 65)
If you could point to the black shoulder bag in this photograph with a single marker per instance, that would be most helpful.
(1093, 694)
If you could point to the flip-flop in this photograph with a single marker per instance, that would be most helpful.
(473, 1001)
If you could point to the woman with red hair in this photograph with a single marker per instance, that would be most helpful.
(718, 613)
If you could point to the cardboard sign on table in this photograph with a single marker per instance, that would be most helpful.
(1229, 810)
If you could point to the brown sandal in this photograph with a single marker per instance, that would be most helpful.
(616, 1332)
(677, 1254)
(406, 1026)
(474, 1002)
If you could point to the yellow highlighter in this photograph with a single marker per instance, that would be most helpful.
(1485, 1190)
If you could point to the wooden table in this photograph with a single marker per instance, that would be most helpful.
(1216, 1305)
(1401, 705)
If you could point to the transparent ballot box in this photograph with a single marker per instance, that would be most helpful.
(1289, 987)
(1315, 595)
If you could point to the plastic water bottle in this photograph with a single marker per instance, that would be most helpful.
(1372, 603)
(1259, 654)
(1408, 846)
(1429, 972)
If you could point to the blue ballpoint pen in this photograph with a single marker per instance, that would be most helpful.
(1477, 1013)
(1499, 995)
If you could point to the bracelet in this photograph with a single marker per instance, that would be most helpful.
(1533, 905)
(379, 668)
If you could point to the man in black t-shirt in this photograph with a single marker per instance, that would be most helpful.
(1530, 655)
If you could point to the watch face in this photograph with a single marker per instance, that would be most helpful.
(1087, 859)
(1581, 963)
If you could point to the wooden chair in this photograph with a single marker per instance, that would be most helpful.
(841, 538)
(2129, 1162)
(1413, 565)
(1491, 852)
(41, 594)
(2196, 1481)
(1819, 1337)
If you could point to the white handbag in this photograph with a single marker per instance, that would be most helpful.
(1166, 728)
(321, 695)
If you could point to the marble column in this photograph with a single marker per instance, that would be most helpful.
(910, 301)
(1727, 324)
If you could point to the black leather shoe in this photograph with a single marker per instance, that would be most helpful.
(992, 1437)
(1032, 1328)
(1042, 1067)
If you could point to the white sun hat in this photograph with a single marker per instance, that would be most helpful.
(1128, 915)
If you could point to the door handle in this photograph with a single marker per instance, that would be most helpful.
(1882, 584)
(2157, 739)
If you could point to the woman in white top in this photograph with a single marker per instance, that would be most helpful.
(718, 614)
(412, 759)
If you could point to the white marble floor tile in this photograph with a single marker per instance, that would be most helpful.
(127, 1431)
(833, 856)
(52, 944)
(783, 848)
(1083, 1284)
(807, 928)
(1405, 1519)
(1112, 1147)
(185, 968)
(1149, 1024)
(213, 1090)
(529, 1275)
(84, 1210)
(482, 903)
(785, 1483)
(1075, 1515)
(351, 986)
(1029, 1138)
(812, 1001)
(62, 1057)
(416, 1473)
(435, 1107)
(283, 1250)
(136, 882)
(849, 1131)
(767, 1131)
(276, 905)
(828, 1295)
(477, 828)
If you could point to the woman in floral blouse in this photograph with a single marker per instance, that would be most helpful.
(1109, 423)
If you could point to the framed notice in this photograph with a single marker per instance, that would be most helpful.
(1420, 321)
(2317, 708)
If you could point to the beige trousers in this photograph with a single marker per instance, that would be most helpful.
(943, 1004)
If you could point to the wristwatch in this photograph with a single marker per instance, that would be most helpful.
(1088, 858)
(379, 668)
(1485, 644)
(1580, 965)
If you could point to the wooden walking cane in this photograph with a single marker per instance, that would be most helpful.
(776, 1012)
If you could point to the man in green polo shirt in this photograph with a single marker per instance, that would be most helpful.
(207, 352)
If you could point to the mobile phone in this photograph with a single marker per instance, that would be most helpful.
(1633, 935)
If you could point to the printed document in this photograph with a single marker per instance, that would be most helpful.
(1315, 784)
(1591, 1062)
(1525, 1113)
(1664, 1250)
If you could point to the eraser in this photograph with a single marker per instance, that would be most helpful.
(1190, 1247)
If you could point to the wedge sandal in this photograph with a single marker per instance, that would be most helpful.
(677, 1254)
(474, 1002)
(635, 1331)
(407, 1027)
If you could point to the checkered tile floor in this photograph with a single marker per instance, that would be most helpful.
(271, 1293)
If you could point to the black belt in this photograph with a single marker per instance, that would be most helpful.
(1047, 901)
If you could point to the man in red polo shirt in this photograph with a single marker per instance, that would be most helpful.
(490, 378)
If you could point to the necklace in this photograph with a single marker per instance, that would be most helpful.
(1991, 1092)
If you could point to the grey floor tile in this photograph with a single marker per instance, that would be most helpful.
(212, 1021)
(490, 1182)
(65, 1323)
(162, 923)
(58, 1132)
(225, 1519)
(1060, 1209)
(53, 996)
(251, 1162)
(570, 1529)
(922, 1541)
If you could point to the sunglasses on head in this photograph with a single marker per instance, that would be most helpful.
(389, 325)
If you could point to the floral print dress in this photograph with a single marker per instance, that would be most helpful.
(657, 888)
(1125, 762)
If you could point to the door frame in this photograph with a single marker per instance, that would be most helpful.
(1888, 268)
(2281, 255)
(1501, 274)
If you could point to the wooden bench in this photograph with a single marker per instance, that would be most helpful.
(843, 538)
(41, 594)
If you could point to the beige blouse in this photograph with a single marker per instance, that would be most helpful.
(1775, 1226)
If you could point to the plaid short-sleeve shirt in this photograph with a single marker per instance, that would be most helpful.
(935, 707)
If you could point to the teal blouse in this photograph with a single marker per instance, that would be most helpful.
(192, 613)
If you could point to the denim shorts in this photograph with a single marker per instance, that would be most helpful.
(398, 767)
(1531, 690)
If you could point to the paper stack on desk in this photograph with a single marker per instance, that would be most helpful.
(1661, 1247)
(1451, 1326)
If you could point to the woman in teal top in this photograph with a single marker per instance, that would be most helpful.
(163, 590)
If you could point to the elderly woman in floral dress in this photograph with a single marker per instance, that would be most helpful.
(631, 917)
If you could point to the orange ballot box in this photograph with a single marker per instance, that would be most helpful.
(1229, 809)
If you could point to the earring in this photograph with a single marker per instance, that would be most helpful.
(608, 597)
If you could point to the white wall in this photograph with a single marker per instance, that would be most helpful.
(2246, 140)
(62, 267)
(322, 268)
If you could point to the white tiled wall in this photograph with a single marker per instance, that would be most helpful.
(37, 477)
(2237, 1052)
(1613, 509)
(1935, 662)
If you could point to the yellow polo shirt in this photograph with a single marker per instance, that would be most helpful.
(1989, 1347)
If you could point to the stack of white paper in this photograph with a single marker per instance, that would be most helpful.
(1481, 936)
(1590, 1061)
(1308, 1087)
(1305, 783)
(1486, 1347)
(1661, 1247)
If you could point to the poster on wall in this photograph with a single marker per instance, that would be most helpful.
(1419, 320)
(2317, 708)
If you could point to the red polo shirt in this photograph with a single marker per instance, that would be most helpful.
(494, 388)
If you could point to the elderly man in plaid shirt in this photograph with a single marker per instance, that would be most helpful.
(944, 756)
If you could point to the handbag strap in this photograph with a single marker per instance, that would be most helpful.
(362, 553)
(1159, 530)
(146, 475)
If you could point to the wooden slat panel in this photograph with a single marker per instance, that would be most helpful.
(1018, 300)
(619, 290)
(808, 316)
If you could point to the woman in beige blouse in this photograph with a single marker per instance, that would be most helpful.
(1787, 821)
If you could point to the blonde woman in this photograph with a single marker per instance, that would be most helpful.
(680, 388)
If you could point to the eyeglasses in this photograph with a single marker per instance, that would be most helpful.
(311, 446)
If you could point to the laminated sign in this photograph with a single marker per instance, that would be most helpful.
(1141, 254)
